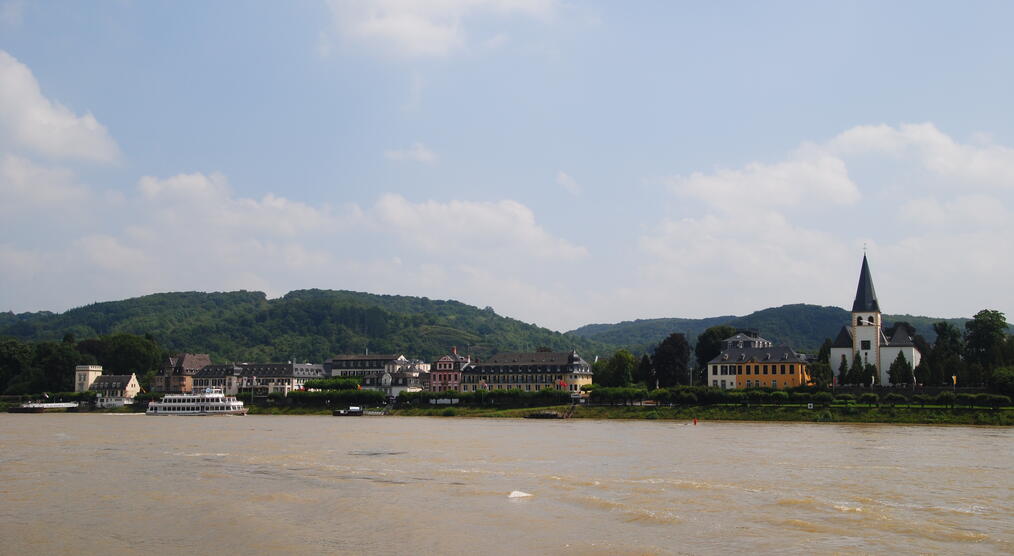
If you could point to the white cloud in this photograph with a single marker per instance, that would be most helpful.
(790, 231)
(192, 232)
(24, 184)
(28, 120)
(981, 163)
(809, 176)
(564, 180)
(501, 232)
(963, 212)
(424, 28)
(416, 153)
(208, 200)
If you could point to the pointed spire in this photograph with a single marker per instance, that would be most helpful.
(866, 296)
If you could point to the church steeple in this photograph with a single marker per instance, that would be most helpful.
(866, 296)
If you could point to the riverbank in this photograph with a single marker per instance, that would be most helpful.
(790, 413)
(786, 413)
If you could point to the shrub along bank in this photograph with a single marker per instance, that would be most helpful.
(513, 398)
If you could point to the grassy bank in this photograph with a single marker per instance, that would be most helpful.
(797, 413)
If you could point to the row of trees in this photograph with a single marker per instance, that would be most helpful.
(668, 365)
(703, 395)
(32, 367)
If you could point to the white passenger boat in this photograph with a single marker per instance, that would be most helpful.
(209, 402)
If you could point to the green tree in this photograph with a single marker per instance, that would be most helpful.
(985, 336)
(843, 370)
(621, 368)
(966, 399)
(870, 375)
(1002, 381)
(127, 353)
(601, 373)
(709, 344)
(946, 398)
(824, 354)
(856, 372)
(821, 374)
(671, 361)
(945, 359)
(900, 371)
(56, 361)
(895, 398)
(823, 398)
(15, 358)
(645, 373)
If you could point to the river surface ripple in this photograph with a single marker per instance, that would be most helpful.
(132, 484)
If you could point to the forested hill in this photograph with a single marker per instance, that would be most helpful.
(803, 327)
(307, 325)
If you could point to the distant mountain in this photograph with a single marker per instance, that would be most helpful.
(803, 327)
(303, 325)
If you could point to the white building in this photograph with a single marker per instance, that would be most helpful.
(864, 334)
(116, 390)
(263, 378)
(84, 376)
(347, 366)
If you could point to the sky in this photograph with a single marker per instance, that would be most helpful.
(562, 162)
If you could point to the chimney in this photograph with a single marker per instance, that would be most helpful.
(454, 350)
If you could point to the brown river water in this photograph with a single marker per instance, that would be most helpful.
(133, 484)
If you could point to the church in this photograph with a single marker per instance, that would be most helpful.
(864, 335)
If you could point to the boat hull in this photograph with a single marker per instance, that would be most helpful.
(198, 413)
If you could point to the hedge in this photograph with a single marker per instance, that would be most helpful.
(351, 383)
(513, 398)
(336, 398)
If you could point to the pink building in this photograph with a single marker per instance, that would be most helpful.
(445, 373)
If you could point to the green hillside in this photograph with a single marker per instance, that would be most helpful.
(802, 326)
(303, 325)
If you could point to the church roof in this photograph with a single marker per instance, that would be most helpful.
(844, 339)
(866, 296)
(901, 338)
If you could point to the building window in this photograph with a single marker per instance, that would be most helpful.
(865, 344)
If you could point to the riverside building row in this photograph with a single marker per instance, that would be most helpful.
(388, 373)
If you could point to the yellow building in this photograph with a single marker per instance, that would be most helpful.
(749, 361)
